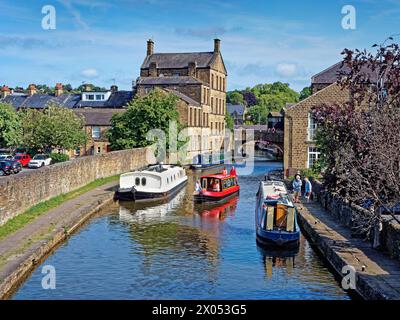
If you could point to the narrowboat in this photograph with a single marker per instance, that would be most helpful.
(153, 183)
(220, 212)
(217, 188)
(276, 216)
(207, 161)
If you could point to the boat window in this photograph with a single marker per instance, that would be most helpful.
(167, 180)
(137, 181)
(143, 181)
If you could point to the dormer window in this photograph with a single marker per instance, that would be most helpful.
(90, 96)
(99, 96)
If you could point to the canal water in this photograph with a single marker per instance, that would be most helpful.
(177, 250)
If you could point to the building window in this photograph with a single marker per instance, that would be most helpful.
(98, 149)
(212, 81)
(96, 132)
(99, 96)
(312, 128)
(313, 156)
(90, 96)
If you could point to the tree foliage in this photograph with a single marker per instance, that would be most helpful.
(264, 98)
(229, 121)
(360, 140)
(10, 126)
(54, 127)
(305, 93)
(153, 111)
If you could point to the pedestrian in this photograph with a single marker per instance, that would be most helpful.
(233, 171)
(308, 189)
(224, 172)
(297, 188)
(197, 187)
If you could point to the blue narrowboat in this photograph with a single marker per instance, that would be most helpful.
(207, 161)
(276, 216)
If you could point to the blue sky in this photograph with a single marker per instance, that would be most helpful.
(97, 41)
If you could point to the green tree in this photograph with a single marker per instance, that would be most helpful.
(305, 93)
(153, 111)
(235, 97)
(55, 127)
(229, 122)
(10, 126)
(258, 114)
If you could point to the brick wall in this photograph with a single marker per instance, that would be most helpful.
(20, 192)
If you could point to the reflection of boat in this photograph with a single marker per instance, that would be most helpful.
(216, 188)
(273, 259)
(153, 183)
(139, 212)
(276, 217)
(221, 211)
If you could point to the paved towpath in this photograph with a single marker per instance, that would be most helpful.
(377, 275)
(23, 249)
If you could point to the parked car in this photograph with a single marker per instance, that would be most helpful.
(6, 168)
(6, 157)
(16, 166)
(40, 160)
(23, 158)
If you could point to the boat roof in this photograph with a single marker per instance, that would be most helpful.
(218, 176)
(275, 191)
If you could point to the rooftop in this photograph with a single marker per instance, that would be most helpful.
(178, 60)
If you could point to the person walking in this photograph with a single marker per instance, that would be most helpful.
(297, 188)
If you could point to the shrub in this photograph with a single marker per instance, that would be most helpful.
(59, 157)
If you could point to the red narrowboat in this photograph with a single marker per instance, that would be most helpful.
(216, 188)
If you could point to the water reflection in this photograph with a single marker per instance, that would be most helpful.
(278, 259)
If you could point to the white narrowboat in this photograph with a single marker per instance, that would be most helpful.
(153, 183)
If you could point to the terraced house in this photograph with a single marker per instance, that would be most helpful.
(198, 79)
(97, 109)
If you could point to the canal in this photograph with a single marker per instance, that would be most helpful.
(177, 251)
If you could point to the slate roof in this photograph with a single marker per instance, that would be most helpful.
(184, 97)
(331, 74)
(69, 100)
(98, 117)
(178, 60)
(181, 80)
(238, 108)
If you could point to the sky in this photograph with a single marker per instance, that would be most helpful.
(104, 42)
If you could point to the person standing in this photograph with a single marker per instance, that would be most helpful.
(308, 189)
(297, 188)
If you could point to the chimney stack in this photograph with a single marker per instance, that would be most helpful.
(31, 89)
(217, 45)
(114, 88)
(5, 91)
(58, 90)
(150, 47)
(86, 87)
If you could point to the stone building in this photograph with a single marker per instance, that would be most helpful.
(198, 79)
(300, 150)
(237, 112)
(96, 107)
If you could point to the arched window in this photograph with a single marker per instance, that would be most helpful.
(137, 181)
(143, 181)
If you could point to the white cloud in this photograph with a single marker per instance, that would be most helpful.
(286, 69)
(89, 73)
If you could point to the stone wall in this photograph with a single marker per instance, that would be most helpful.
(349, 215)
(20, 192)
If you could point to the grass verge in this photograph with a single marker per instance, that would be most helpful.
(23, 219)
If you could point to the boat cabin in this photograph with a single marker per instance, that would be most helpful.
(218, 183)
(275, 210)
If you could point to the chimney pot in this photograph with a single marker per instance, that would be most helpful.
(5, 91)
(58, 89)
(31, 89)
(217, 45)
(150, 47)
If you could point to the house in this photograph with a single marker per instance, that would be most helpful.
(97, 108)
(300, 150)
(237, 112)
(275, 120)
(198, 79)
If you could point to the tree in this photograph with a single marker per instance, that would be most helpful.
(230, 123)
(153, 111)
(305, 93)
(55, 127)
(10, 126)
(250, 98)
(360, 140)
(258, 114)
(235, 97)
